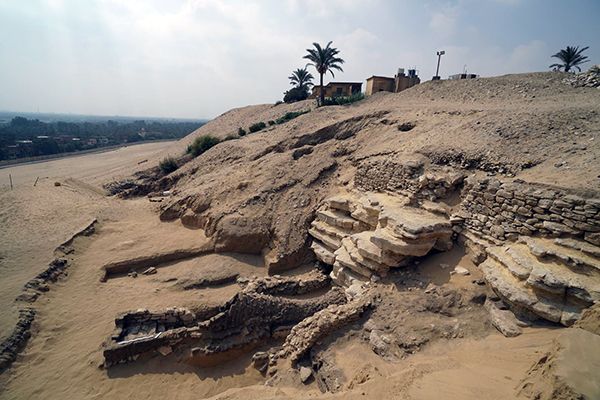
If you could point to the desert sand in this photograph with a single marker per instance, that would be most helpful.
(240, 215)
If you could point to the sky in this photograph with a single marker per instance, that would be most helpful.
(200, 58)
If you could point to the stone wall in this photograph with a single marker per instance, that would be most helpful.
(504, 210)
(408, 178)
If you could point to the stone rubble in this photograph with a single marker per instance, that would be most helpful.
(591, 78)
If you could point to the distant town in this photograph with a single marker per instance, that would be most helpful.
(37, 135)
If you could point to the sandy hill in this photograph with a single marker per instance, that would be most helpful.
(528, 126)
(445, 239)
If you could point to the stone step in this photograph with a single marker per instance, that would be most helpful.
(386, 240)
(552, 278)
(519, 263)
(340, 202)
(355, 255)
(522, 298)
(585, 247)
(323, 253)
(343, 258)
(339, 219)
(345, 277)
(331, 230)
(548, 249)
(329, 241)
(371, 251)
(414, 223)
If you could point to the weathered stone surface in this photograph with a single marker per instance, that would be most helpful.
(369, 233)
(503, 320)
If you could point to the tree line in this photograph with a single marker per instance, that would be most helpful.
(22, 137)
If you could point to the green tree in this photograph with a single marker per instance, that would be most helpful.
(301, 78)
(324, 60)
(571, 58)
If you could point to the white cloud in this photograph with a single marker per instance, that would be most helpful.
(444, 22)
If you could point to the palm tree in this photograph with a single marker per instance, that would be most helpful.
(301, 78)
(324, 59)
(571, 58)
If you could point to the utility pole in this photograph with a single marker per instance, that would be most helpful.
(437, 71)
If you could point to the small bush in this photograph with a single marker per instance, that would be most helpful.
(168, 165)
(295, 94)
(202, 144)
(341, 100)
(241, 131)
(289, 116)
(278, 102)
(271, 123)
(406, 126)
(257, 127)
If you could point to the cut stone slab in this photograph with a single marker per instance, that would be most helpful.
(329, 241)
(331, 230)
(547, 275)
(503, 320)
(338, 218)
(413, 223)
(588, 248)
(323, 253)
(355, 255)
(545, 248)
(370, 250)
(345, 277)
(515, 294)
(518, 263)
(384, 239)
(343, 258)
(305, 374)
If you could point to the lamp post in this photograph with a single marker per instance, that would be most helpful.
(437, 71)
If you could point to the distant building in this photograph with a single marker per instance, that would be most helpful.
(396, 84)
(103, 140)
(337, 89)
(462, 76)
(42, 137)
(92, 141)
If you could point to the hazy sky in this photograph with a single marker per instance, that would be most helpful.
(199, 58)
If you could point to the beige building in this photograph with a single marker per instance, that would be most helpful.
(396, 84)
(337, 89)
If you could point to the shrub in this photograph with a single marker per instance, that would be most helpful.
(257, 127)
(278, 102)
(341, 100)
(202, 144)
(406, 126)
(289, 116)
(168, 165)
(271, 123)
(241, 131)
(295, 94)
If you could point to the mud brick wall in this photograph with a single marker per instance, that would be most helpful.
(408, 177)
(504, 210)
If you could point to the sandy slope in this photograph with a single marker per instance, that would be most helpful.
(34, 220)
